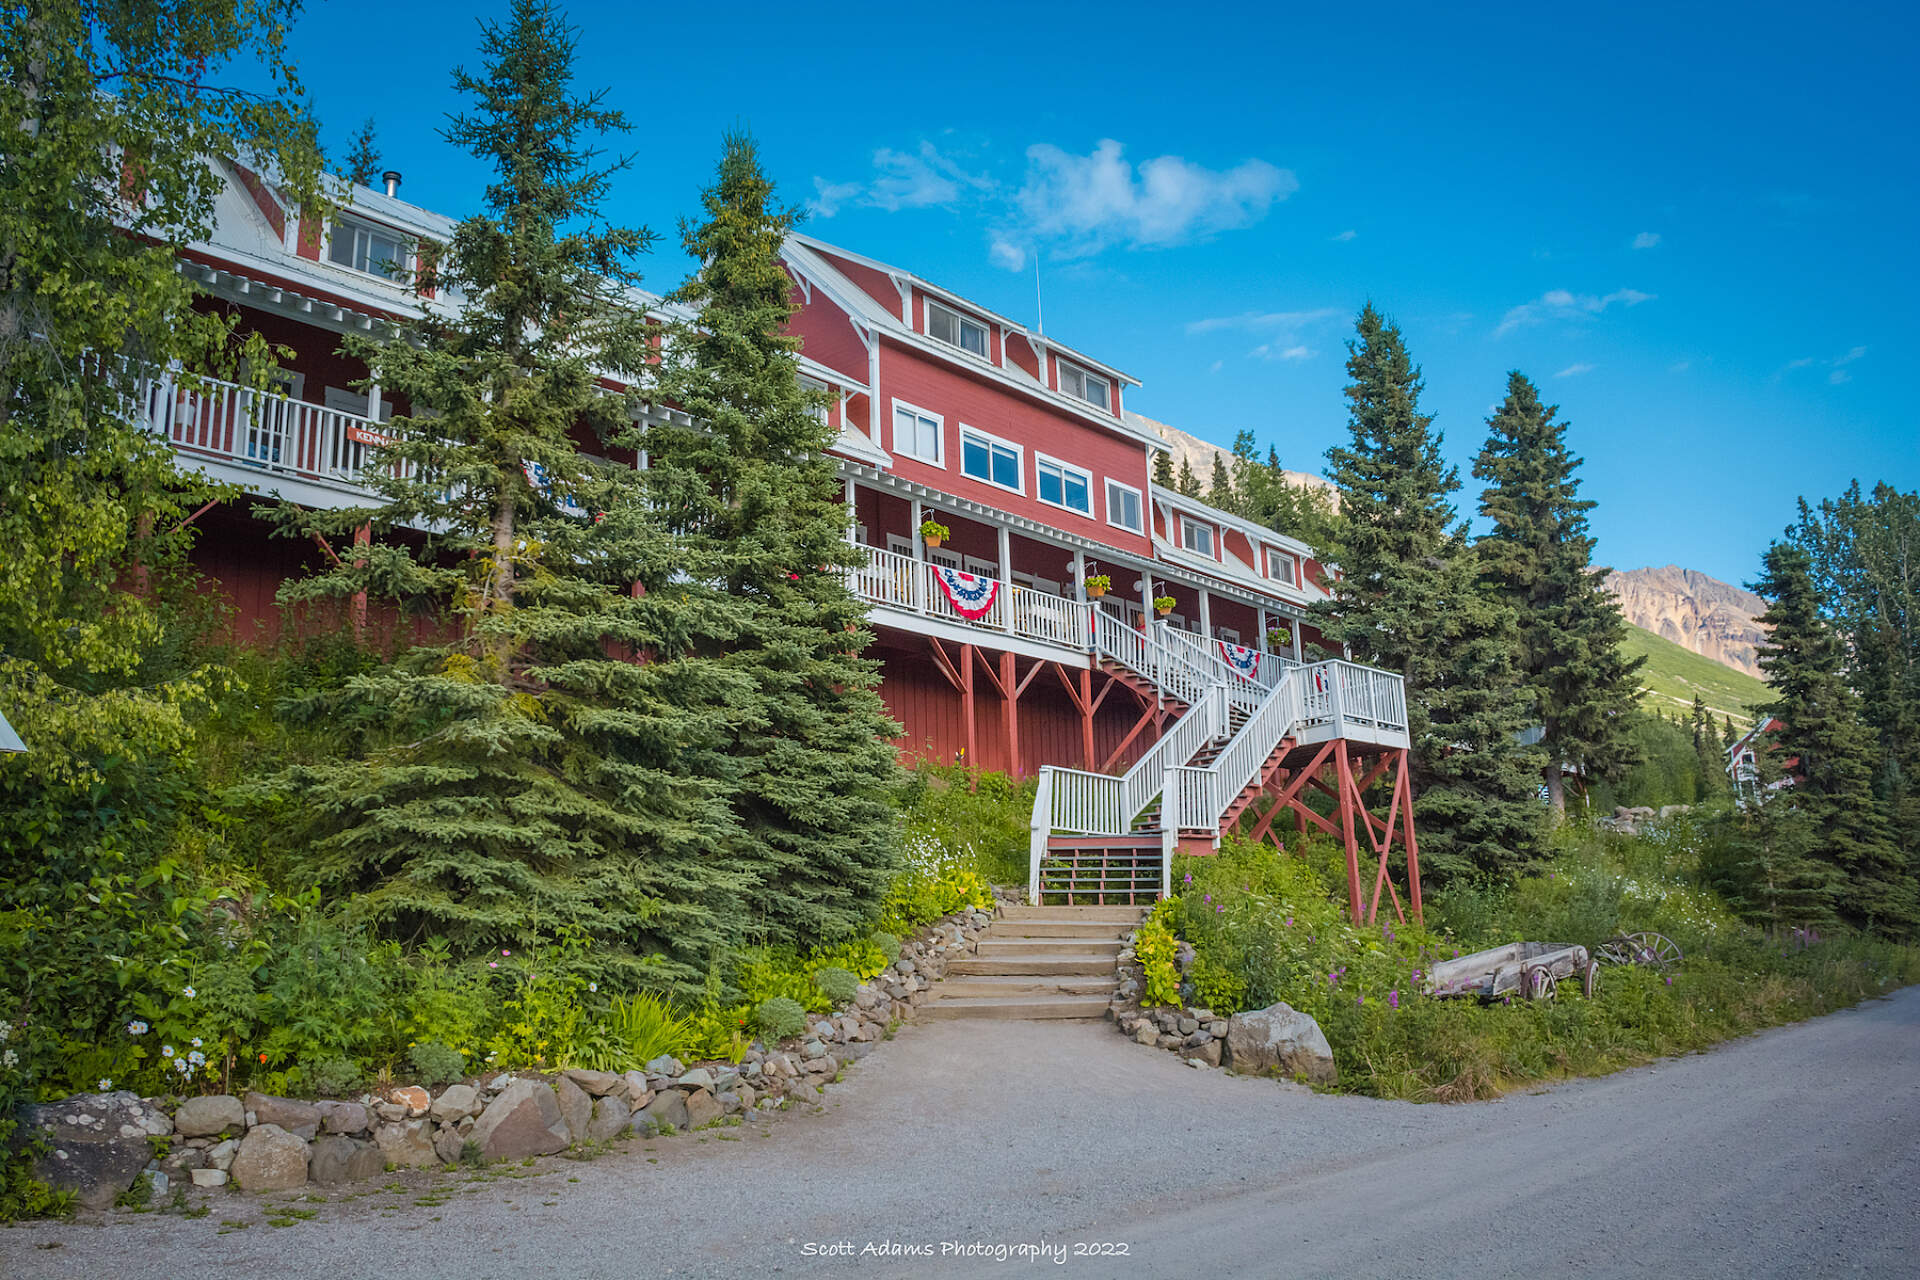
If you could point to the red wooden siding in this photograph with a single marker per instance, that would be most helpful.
(827, 336)
(877, 284)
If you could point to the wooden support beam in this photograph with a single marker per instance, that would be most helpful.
(1344, 767)
(966, 703)
(944, 664)
(1146, 718)
(362, 539)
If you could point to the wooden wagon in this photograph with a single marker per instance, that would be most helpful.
(1530, 970)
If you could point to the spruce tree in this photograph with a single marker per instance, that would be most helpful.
(1539, 558)
(762, 513)
(363, 157)
(1830, 747)
(1188, 484)
(560, 759)
(1727, 735)
(1411, 600)
(1220, 486)
(1706, 746)
(1163, 468)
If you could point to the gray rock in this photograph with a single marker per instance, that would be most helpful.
(1280, 1040)
(1168, 1041)
(702, 1109)
(220, 1154)
(576, 1108)
(1187, 1026)
(336, 1159)
(610, 1116)
(729, 1101)
(903, 966)
(390, 1110)
(1183, 956)
(448, 1144)
(748, 1095)
(523, 1121)
(96, 1144)
(855, 1052)
(636, 1083)
(812, 1049)
(1217, 1029)
(302, 1119)
(406, 1144)
(698, 1078)
(220, 1113)
(1146, 1033)
(342, 1117)
(665, 1065)
(597, 1083)
(210, 1177)
(270, 1159)
(456, 1103)
(1207, 1054)
(1197, 1037)
(668, 1108)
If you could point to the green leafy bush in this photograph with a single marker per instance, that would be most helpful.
(435, 1063)
(837, 985)
(779, 1018)
(1154, 946)
(637, 1029)
(889, 946)
(862, 957)
(329, 1077)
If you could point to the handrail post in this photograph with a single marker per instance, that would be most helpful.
(1337, 698)
(1039, 828)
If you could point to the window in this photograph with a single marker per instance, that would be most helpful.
(821, 409)
(1195, 536)
(916, 433)
(1123, 506)
(952, 327)
(1064, 486)
(985, 458)
(1280, 567)
(367, 248)
(1082, 385)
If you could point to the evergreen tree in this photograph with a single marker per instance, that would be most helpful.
(1761, 856)
(1411, 601)
(1706, 747)
(1830, 747)
(1188, 484)
(363, 157)
(1727, 735)
(1220, 486)
(560, 761)
(763, 515)
(1163, 468)
(1539, 557)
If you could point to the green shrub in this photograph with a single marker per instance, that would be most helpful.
(837, 985)
(329, 1077)
(862, 957)
(779, 1018)
(889, 945)
(1154, 947)
(435, 1063)
(641, 1027)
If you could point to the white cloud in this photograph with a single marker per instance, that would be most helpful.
(1261, 320)
(1839, 376)
(828, 197)
(1345, 236)
(1215, 366)
(1801, 363)
(1574, 371)
(1564, 304)
(916, 179)
(1835, 366)
(1853, 354)
(1088, 202)
(1005, 253)
(1680, 366)
(1646, 240)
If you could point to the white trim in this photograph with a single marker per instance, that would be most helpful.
(1267, 554)
(1213, 535)
(1060, 368)
(940, 432)
(1065, 467)
(959, 318)
(1139, 497)
(1019, 459)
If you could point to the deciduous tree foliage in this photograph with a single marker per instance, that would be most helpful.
(1411, 600)
(1538, 555)
(561, 758)
(756, 502)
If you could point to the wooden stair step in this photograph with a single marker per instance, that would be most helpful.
(1016, 1007)
(1040, 928)
(1016, 985)
(1093, 964)
(1123, 915)
(992, 948)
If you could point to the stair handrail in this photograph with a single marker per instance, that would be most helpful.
(1239, 762)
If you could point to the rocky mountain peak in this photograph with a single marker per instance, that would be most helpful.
(1712, 618)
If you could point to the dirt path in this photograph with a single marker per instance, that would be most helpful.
(1795, 1152)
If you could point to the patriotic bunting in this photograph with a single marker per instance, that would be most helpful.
(972, 597)
(1244, 661)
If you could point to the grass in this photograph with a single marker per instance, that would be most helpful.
(1673, 675)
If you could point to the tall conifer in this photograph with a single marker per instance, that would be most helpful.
(1410, 600)
(1163, 468)
(1220, 487)
(1539, 559)
(762, 512)
(1188, 483)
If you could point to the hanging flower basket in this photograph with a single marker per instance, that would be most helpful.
(1163, 605)
(1098, 585)
(933, 533)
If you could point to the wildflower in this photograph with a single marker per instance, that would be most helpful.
(197, 1058)
(1669, 981)
(1187, 879)
(1358, 1001)
(196, 1042)
(493, 964)
(1221, 907)
(1393, 999)
(188, 992)
(593, 986)
(505, 952)
(9, 1058)
(181, 1065)
(263, 1057)
(105, 1084)
(1289, 922)
(166, 1051)
(136, 1028)
(1209, 898)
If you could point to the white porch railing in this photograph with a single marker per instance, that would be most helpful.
(262, 430)
(904, 583)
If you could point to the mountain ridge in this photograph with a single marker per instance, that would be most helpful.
(1694, 610)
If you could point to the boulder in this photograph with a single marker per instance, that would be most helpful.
(1146, 1033)
(302, 1119)
(456, 1103)
(220, 1113)
(449, 1144)
(1280, 1040)
(220, 1154)
(342, 1117)
(698, 1078)
(411, 1096)
(97, 1143)
(406, 1144)
(665, 1065)
(523, 1121)
(1207, 1054)
(636, 1083)
(702, 1109)
(667, 1108)
(338, 1159)
(610, 1116)
(210, 1177)
(576, 1108)
(270, 1159)
(597, 1083)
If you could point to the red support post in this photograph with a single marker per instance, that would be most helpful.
(362, 538)
(966, 702)
(1344, 769)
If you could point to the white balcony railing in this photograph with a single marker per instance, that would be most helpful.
(230, 423)
(911, 586)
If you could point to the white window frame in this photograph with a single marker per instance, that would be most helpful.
(939, 433)
(1292, 576)
(991, 440)
(960, 318)
(1040, 460)
(1187, 527)
(1139, 501)
(900, 545)
(822, 413)
(359, 227)
(1104, 404)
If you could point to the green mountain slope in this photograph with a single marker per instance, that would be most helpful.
(1673, 675)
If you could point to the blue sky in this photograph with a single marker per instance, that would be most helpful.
(1694, 226)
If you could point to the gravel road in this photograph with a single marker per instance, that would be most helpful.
(1796, 1152)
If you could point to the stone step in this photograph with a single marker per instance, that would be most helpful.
(1057, 927)
(1014, 986)
(1125, 915)
(992, 948)
(1087, 1007)
(1094, 964)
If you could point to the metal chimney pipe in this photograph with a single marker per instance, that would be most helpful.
(392, 180)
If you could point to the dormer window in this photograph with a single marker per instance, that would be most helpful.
(1280, 567)
(951, 327)
(360, 246)
(1082, 385)
(1195, 536)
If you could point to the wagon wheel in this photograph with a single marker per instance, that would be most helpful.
(1655, 949)
(1590, 979)
(1539, 983)
(1615, 951)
